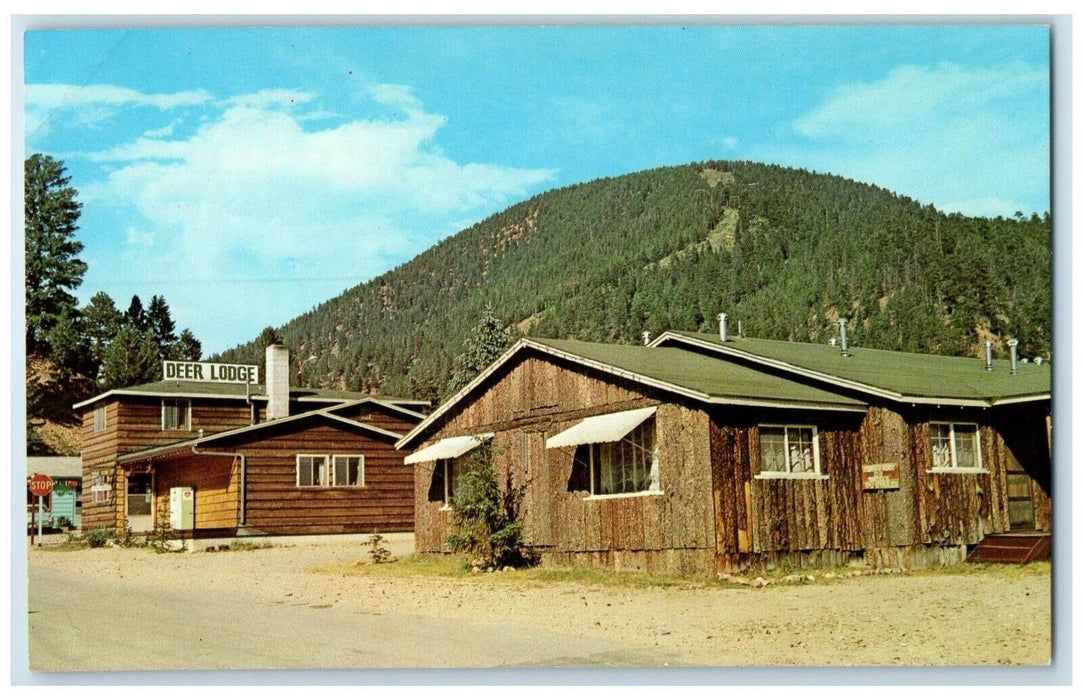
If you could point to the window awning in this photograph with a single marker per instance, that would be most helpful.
(448, 448)
(607, 428)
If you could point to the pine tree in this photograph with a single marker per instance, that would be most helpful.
(161, 326)
(132, 358)
(53, 269)
(187, 348)
(136, 315)
(488, 342)
(101, 321)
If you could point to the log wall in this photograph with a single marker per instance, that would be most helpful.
(275, 505)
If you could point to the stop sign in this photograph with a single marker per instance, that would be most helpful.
(40, 484)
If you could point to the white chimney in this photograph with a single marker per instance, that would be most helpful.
(1014, 345)
(989, 356)
(646, 337)
(278, 381)
(722, 327)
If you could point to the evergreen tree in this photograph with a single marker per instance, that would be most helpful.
(160, 325)
(136, 315)
(488, 342)
(268, 337)
(132, 358)
(187, 348)
(53, 269)
(67, 343)
(101, 321)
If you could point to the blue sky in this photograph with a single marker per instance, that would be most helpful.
(249, 174)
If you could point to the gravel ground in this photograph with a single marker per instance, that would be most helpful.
(273, 597)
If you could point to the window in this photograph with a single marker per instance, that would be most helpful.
(955, 446)
(175, 414)
(341, 470)
(99, 419)
(789, 450)
(628, 465)
(448, 471)
(312, 470)
(349, 470)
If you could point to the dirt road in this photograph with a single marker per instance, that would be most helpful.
(131, 609)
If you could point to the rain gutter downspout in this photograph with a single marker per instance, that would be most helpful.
(236, 455)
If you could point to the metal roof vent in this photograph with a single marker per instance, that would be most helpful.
(845, 351)
(988, 356)
(1014, 345)
(646, 337)
(740, 329)
(722, 327)
(1039, 360)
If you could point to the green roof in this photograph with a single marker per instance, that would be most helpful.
(212, 390)
(907, 376)
(702, 374)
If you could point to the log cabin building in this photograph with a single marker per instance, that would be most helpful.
(254, 459)
(703, 454)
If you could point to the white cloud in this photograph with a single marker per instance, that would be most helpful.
(93, 104)
(262, 200)
(920, 129)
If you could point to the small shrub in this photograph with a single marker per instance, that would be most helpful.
(486, 515)
(161, 540)
(377, 550)
(98, 537)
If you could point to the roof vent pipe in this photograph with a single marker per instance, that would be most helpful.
(646, 337)
(722, 327)
(842, 338)
(988, 356)
(1014, 345)
(740, 329)
(1039, 360)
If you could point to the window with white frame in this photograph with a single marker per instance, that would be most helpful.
(955, 446)
(448, 471)
(99, 419)
(176, 414)
(789, 449)
(349, 470)
(338, 470)
(625, 466)
(312, 470)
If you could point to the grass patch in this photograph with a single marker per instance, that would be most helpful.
(456, 567)
(70, 546)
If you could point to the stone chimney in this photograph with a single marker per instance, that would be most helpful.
(278, 381)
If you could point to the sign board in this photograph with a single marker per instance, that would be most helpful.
(217, 372)
(40, 484)
(875, 477)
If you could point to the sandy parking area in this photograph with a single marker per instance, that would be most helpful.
(91, 609)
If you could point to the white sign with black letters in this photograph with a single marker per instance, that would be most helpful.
(210, 372)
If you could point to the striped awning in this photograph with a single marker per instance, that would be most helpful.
(448, 448)
(606, 428)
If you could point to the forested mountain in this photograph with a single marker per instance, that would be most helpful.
(785, 252)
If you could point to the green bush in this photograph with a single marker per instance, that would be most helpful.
(486, 515)
(98, 537)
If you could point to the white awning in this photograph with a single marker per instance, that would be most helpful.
(608, 428)
(448, 448)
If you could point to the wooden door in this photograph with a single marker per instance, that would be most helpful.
(1020, 498)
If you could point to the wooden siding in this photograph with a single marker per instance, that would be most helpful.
(759, 516)
(380, 417)
(932, 517)
(275, 505)
(216, 484)
(528, 403)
